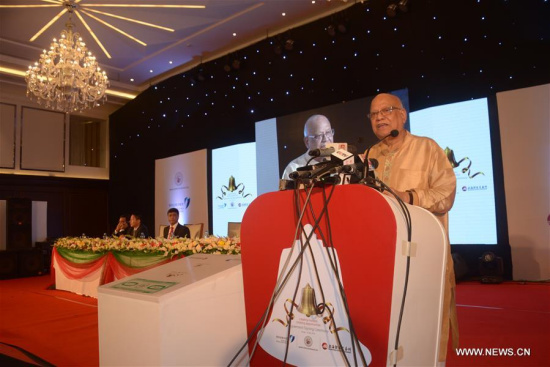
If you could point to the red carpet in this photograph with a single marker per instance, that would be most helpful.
(57, 326)
(61, 327)
(509, 319)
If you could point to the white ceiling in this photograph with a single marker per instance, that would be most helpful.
(199, 35)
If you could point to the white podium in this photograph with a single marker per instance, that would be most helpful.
(372, 262)
(189, 312)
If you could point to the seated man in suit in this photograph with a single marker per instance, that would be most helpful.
(122, 228)
(136, 228)
(175, 229)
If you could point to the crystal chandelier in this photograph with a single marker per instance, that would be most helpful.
(67, 77)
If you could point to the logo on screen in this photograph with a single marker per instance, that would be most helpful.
(178, 179)
(232, 190)
(474, 188)
(465, 170)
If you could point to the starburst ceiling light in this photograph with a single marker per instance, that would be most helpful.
(68, 77)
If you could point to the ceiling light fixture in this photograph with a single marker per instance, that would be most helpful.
(67, 77)
(79, 8)
(401, 5)
(391, 10)
(289, 44)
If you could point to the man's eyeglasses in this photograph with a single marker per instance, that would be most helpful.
(326, 134)
(383, 112)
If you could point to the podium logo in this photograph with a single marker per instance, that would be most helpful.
(308, 341)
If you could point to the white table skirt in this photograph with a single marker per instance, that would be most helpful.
(86, 286)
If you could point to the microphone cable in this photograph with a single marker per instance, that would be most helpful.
(281, 281)
(408, 222)
(321, 234)
(304, 247)
(278, 286)
(354, 338)
(332, 258)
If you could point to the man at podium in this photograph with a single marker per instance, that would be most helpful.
(418, 171)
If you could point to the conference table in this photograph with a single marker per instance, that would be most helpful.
(81, 264)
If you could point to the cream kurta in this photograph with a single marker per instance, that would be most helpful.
(421, 166)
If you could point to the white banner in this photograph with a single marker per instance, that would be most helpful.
(181, 183)
(234, 184)
(462, 130)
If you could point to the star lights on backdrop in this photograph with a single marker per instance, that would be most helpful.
(441, 62)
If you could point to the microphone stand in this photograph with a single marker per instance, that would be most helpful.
(366, 179)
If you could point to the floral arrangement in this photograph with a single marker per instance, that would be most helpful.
(159, 245)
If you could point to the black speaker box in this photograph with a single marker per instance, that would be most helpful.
(8, 264)
(22, 263)
(45, 249)
(18, 223)
(30, 263)
(460, 266)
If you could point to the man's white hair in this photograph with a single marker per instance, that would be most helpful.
(313, 120)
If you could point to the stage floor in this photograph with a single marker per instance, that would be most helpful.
(495, 321)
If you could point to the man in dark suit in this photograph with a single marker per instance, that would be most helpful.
(175, 229)
(136, 228)
(122, 228)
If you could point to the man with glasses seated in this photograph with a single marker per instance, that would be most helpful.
(419, 172)
(317, 133)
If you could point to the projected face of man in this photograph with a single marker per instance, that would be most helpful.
(387, 114)
(317, 132)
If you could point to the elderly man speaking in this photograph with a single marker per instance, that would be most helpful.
(418, 171)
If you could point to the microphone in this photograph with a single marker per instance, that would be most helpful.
(313, 166)
(330, 180)
(342, 156)
(303, 172)
(393, 134)
(358, 167)
(320, 171)
(332, 148)
(300, 174)
(373, 163)
(322, 152)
